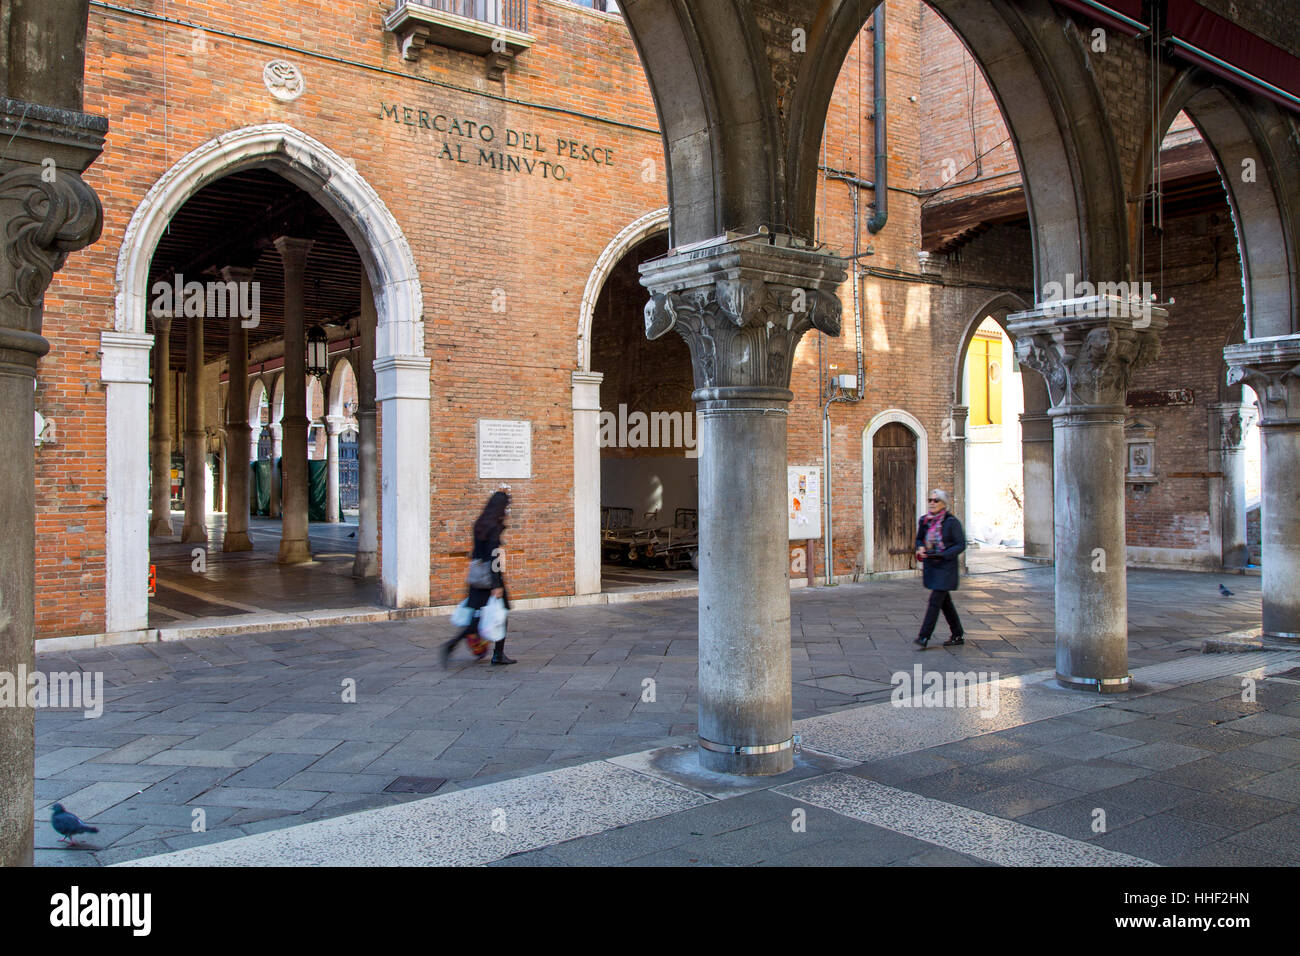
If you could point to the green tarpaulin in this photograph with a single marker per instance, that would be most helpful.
(259, 498)
(259, 489)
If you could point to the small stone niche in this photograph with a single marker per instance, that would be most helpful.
(1140, 465)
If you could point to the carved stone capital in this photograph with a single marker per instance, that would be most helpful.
(1272, 368)
(742, 306)
(1088, 356)
(47, 210)
(1230, 424)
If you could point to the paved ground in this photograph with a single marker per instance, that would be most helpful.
(253, 730)
(1195, 766)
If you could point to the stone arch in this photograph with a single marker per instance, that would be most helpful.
(998, 308)
(401, 367)
(742, 154)
(913, 424)
(340, 369)
(277, 398)
(628, 238)
(1242, 128)
(586, 405)
(256, 391)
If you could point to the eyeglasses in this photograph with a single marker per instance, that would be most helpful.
(935, 500)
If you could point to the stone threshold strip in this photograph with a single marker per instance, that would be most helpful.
(483, 824)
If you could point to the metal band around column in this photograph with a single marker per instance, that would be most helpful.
(1102, 684)
(793, 742)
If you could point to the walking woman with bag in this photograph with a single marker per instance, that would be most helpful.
(485, 579)
(939, 539)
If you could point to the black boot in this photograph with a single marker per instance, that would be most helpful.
(499, 653)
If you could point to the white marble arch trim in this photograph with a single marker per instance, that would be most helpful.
(389, 263)
(868, 475)
(634, 232)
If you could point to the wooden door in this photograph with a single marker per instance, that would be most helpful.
(894, 490)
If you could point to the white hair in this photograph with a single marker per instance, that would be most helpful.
(942, 496)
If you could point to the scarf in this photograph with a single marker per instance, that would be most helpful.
(933, 530)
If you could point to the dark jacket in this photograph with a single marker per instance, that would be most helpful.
(941, 569)
(483, 551)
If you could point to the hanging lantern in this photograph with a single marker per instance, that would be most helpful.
(317, 344)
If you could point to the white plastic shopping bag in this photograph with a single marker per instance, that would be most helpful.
(492, 620)
(462, 615)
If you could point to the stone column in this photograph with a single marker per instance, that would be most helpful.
(742, 306)
(1230, 423)
(366, 563)
(1036, 456)
(277, 450)
(46, 212)
(586, 482)
(957, 422)
(1272, 368)
(238, 431)
(195, 528)
(1086, 351)
(160, 443)
(333, 425)
(295, 548)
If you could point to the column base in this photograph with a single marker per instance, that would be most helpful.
(1102, 685)
(237, 541)
(767, 761)
(161, 529)
(1290, 637)
(193, 535)
(294, 552)
(366, 564)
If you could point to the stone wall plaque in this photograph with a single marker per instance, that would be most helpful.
(1157, 397)
(505, 448)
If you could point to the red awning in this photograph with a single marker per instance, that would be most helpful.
(1234, 53)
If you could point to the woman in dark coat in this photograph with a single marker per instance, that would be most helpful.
(487, 547)
(939, 539)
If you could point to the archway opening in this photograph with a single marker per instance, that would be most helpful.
(225, 276)
(647, 434)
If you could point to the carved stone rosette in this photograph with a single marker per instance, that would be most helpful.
(1088, 358)
(1272, 369)
(742, 306)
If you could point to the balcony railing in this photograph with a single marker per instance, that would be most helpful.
(494, 29)
(511, 14)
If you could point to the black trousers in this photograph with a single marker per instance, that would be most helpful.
(940, 601)
(498, 649)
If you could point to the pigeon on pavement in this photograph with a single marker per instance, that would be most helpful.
(1224, 591)
(67, 825)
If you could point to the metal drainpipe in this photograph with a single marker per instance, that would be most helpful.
(881, 215)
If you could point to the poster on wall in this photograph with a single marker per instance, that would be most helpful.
(505, 449)
(804, 502)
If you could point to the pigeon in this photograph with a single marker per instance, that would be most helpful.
(1224, 591)
(68, 825)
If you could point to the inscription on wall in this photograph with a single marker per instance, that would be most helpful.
(501, 149)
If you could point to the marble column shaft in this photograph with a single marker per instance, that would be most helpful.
(295, 547)
(366, 562)
(238, 431)
(333, 425)
(160, 443)
(1272, 368)
(742, 307)
(1086, 352)
(46, 212)
(195, 529)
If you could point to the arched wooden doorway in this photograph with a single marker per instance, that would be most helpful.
(894, 507)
